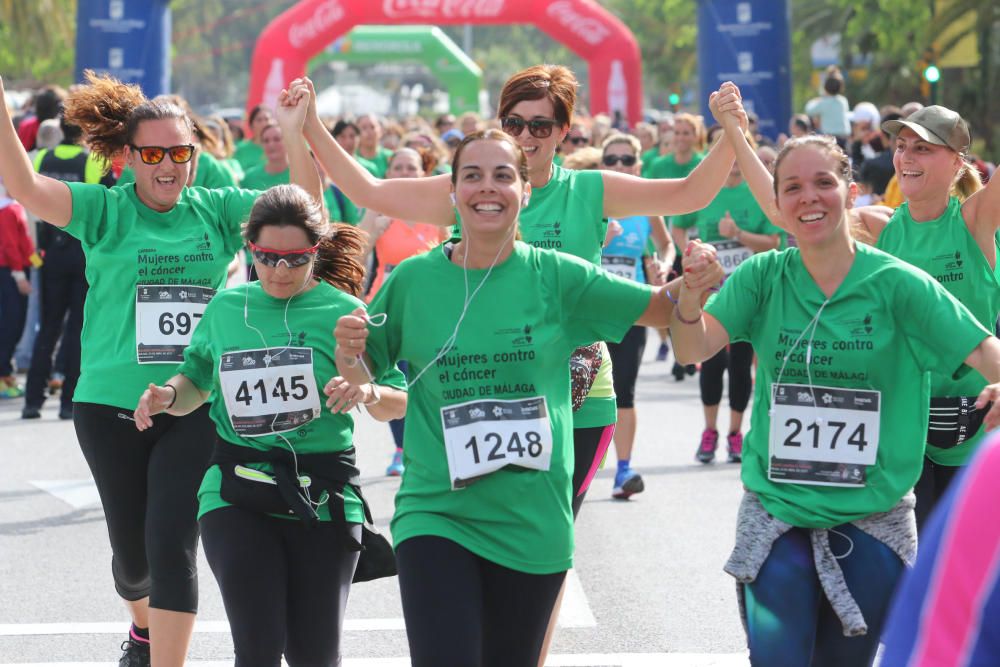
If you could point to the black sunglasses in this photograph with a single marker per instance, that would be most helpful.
(612, 160)
(155, 154)
(576, 141)
(540, 128)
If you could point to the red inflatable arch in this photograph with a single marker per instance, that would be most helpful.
(590, 31)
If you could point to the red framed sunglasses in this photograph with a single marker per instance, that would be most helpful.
(292, 258)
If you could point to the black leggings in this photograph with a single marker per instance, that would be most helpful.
(462, 610)
(626, 357)
(590, 443)
(737, 359)
(148, 482)
(284, 587)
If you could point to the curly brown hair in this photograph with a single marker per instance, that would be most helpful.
(109, 113)
(341, 246)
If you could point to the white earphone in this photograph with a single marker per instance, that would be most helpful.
(525, 198)
(453, 201)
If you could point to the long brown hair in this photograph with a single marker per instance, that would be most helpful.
(109, 113)
(341, 246)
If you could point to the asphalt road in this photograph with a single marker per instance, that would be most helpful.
(648, 587)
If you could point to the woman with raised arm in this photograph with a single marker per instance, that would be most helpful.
(156, 252)
(483, 526)
(947, 227)
(296, 542)
(845, 336)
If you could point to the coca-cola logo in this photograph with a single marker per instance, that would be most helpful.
(587, 28)
(322, 19)
(426, 9)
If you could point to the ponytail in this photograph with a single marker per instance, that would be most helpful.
(968, 182)
(339, 259)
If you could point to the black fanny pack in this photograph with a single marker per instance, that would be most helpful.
(328, 474)
(954, 420)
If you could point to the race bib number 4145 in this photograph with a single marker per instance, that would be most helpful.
(823, 435)
(269, 391)
(481, 437)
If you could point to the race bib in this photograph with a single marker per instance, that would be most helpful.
(482, 437)
(165, 319)
(269, 391)
(620, 265)
(823, 435)
(731, 254)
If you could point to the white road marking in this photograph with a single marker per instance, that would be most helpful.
(78, 493)
(575, 611)
(581, 660)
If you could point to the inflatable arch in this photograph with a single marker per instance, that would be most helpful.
(424, 43)
(285, 47)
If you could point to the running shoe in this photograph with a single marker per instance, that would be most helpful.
(709, 443)
(691, 369)
(66, 413)
(135, 654)
(677, 372)
(395, 468)
(627, 483)
(661, 354)
(31, 412)
(734, 445)
(9, 388)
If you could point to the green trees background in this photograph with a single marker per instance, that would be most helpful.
(213, 41)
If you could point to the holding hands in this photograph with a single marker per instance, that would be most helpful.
(726, 105)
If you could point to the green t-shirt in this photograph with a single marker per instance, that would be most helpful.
(567, 214)
(224, 331)
(946, 250)
(648, 158)
(377, 165)
(341, 208)
(128, 244)
(742, 207)
(667, 166)
(258, 178)
(514, 343)
(884, 329)
(211, 173)
(249, 154)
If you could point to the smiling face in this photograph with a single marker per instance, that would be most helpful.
(283, 282)
(488, 187)
(539, 152)
(812, 195)
(924, 170)
(159, 186)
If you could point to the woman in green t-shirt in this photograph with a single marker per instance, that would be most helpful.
(284, 582)
(156, 252)
(846, 337)
(483, 526)
(248, 151)
(274, 169)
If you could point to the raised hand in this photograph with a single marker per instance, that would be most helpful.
(727, 106)
(152, 402)
(293, 103)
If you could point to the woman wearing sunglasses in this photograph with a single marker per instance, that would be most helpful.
(483, 526)
(156, 252)
(283, 559)
(624, 255)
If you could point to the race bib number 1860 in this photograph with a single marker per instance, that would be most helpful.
(482, 437)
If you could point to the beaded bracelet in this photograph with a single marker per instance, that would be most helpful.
(677, 309)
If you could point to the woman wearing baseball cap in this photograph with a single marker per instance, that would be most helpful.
(947, 227)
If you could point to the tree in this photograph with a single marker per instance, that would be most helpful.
(37, 41)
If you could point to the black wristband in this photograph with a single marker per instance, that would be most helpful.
(175, 396)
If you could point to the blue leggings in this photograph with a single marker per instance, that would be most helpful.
(790, 623)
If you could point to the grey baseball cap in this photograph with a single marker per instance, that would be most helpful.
(935, 125)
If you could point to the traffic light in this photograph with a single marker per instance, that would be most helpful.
(674, 99)
(932, 74)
